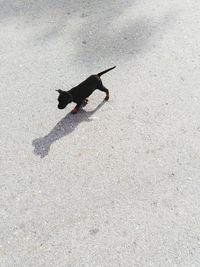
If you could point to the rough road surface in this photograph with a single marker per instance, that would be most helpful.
(119, 183)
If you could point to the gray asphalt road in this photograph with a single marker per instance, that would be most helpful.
(119, 183)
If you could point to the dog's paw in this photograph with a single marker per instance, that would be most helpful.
(74, 111)
(106, 98)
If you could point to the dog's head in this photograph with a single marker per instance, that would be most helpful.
(64, 99)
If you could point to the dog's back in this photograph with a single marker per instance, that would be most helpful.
(86, 88)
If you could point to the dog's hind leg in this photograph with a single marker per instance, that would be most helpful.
(104, 89)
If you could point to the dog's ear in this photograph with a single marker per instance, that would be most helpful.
(59, 91)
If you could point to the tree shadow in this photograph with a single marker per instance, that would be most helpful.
(127, 41)
(87, 16)
(31, 9)
(64, 127)
(99, 32)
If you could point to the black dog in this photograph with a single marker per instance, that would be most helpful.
(80, 93)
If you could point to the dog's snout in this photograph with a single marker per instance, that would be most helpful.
(60, 107)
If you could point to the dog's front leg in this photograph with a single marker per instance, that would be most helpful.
(76, 109)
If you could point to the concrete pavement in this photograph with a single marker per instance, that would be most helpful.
(119, 183)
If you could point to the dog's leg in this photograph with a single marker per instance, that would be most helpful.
(79, 105)
(104, 89)
(76, 109)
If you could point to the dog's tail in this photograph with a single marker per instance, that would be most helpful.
(103, 72)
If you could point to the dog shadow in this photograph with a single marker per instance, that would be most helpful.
(64, 127)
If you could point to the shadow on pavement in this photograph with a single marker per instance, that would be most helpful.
(101, 29)
(64, 127)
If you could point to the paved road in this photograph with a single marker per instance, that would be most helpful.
(119, 183)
